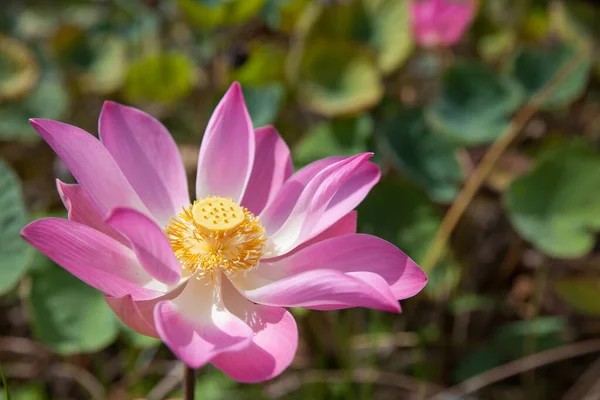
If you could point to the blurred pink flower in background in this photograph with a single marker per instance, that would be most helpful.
(211, 277)
(441, 22)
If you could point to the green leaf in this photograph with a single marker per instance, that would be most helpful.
(49, 99)
(19, 70)
(219, 13)
(212, 3)
(214, 386)
(541, 326)
(390, 34)
(344, 137)
(535, 67)
(421, 154)
(107, 70)
(264, 102)
(381, 25)
(265, 64)
(68, 315)
(530, 336)
(474, 104)
(337, 78)
(283, 15)
(581, 293)
(16, 253)
(555, 206)
(160, 78)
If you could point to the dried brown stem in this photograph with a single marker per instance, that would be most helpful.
(587, 386)
(516, 367)
(294, 381)
(167, 384)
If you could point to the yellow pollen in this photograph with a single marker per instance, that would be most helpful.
(215, 234)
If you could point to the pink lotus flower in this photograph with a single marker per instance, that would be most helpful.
(211, 278)
(441, 22)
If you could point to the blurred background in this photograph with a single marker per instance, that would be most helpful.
(512, 308)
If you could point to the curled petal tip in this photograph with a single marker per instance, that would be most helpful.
(110, 103)
(235, 91)
(35, 122)
(23, 231)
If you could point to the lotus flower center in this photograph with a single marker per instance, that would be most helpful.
(216, 234)
(218, 214)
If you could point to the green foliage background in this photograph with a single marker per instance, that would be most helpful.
(520, 275)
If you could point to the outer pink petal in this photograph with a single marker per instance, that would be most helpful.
(80, 209)
(150, 244)
(93, 257)
(272, 167)
(148, 156)
(227, 150)
(344, 226)
(273, 345)
(139, 315)
(276, 213)
(355, 253)
(317, 207)
(127, 310)
(196, 325)
(91, 164)
(321, 289)
(343, 271)
(372, 281)
(350, 194)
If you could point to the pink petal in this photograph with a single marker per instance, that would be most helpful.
(227, 150)
(150, 244)
(355, 253)
(139, 315)
(321, 289)
(93, 257)
(196, 325)
(441, 22)
(127, 310)
(345, 226)
(80, 209)
(272, 167)
(91, 164)
(276, 213)
(375, 282)
(318, 206)
(148, 156)
(273, 345)
(343, 271)
(350, 194)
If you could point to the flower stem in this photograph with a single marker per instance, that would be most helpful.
(188, 383)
